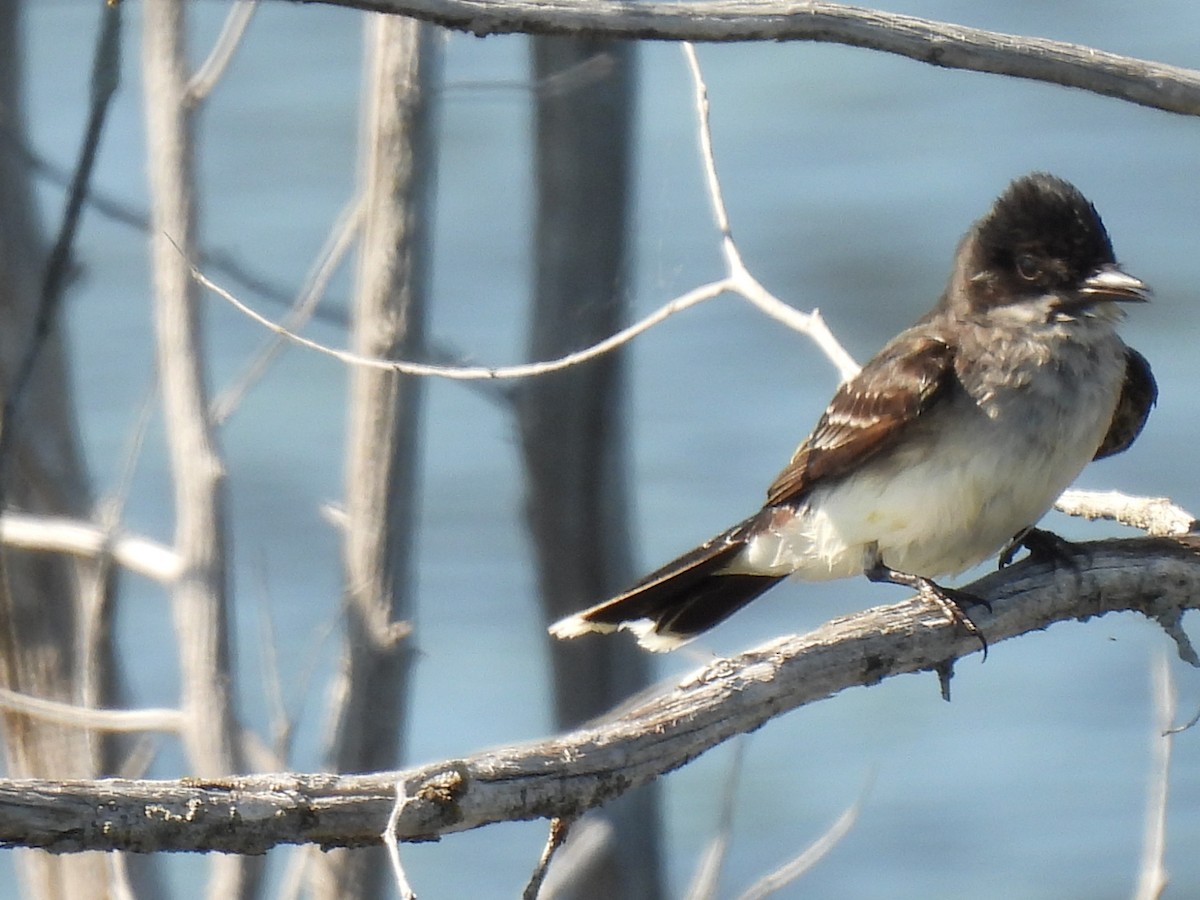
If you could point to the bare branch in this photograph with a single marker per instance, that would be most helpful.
(809, 857)
(106, 69)
(393, 847)
(170, 720)
(712, 860)
(473, 373)
(84, 539)
(369, 699)
(740, 279)
(197, 470)
(116, 209)
(337, 244)
(282, 725)
(558, 835)
(1156, 516)
(951, 46)
(578, 860)
(568, 774)
(205, 78)
(200, 595)
(1152, 873)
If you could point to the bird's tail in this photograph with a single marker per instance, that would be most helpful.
(684, 598)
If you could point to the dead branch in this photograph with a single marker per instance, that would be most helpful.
(370, 701)
(951, 46)
(565, 775)
(200, 598)
(87, 540)
(1156, 516)
(1153, 877)
(738, 280)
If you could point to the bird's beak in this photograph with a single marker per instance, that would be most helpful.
(1110, 283)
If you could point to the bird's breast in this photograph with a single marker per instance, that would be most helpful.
(988, 460)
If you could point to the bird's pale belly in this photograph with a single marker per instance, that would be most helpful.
(937, 506)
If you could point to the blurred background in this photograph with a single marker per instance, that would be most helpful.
(849, 177)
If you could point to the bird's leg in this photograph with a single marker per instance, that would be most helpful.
(1043, 546)
(1009, 551)
(950, 601)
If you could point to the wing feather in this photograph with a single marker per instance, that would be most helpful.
(1138, 394)
(869, 411)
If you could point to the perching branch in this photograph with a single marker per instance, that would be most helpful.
(1156, 516)
(565, 775)
(952, 46)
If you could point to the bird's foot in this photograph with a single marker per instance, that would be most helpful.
(954, 604)
(950, 601)
(1043, 546)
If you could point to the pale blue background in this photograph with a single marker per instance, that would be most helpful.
(849, 175)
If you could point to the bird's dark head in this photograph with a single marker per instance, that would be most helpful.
(1042, 243)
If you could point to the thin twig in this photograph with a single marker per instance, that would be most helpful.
(282, 726)
(472, 373)
(1152, 872)
(738, 280)
(205, 78)
(393, 847)
(559, 828)
(1189, 724)
(106, 73)
(810, 856)
(117, 210)
(97, 584)
(578, 859)
(739, 277)
(168, 720)
(337, 244)
(708, 872)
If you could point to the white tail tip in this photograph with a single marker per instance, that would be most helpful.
(574, 626)
(654, 641)
(643, 629)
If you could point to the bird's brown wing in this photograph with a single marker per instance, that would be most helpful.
(1138, 394)
(694, 592)
(869, 411)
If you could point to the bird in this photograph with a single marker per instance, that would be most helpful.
(949, 445)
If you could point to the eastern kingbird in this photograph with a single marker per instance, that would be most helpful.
(952, 441)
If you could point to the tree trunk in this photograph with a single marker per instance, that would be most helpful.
(40, 614)
(382, 448)
(200, 601)
(573, 435)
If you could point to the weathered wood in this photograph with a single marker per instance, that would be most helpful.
(43, 619)
(572, 423)
(566, 775)
(200, 595)
(1171, 88)
(383, 443)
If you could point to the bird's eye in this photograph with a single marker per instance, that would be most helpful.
(1028, 266)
